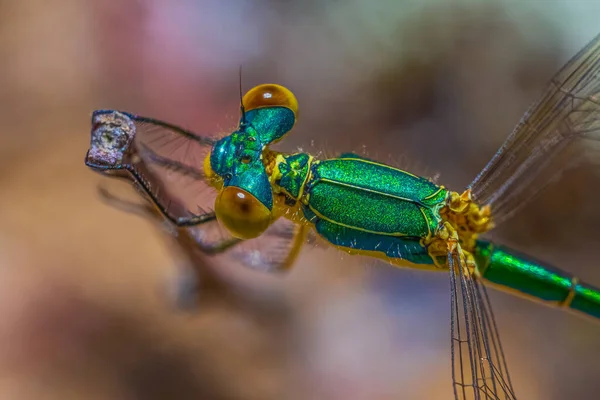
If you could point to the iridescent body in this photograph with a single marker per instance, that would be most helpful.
(365, 206)
(368, 208)
(507, 268)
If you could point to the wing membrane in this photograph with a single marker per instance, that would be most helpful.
(544, 143)
(275, 250)
(479, 368)
(172, 162)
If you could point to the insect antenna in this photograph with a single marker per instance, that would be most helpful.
(242, 109)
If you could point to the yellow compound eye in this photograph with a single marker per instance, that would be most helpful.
(213, 179)
(242, 214)
(270, 95)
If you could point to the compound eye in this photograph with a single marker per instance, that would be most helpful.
(242, 214)
(212, 178)
(270, 95)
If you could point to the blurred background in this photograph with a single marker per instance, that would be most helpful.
(432, 86)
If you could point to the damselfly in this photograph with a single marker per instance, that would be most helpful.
(267, 202)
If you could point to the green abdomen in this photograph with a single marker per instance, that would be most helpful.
(535, 279)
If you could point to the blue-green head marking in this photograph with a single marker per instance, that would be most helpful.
(245, 203)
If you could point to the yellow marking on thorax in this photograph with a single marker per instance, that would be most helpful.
(294, 212)
(269, 159)
(440, 188)
(463, 221)
(467, 218)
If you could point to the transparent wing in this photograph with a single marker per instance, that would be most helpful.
(171, 159)
(545, 142)
(275, 250)
(479, 368)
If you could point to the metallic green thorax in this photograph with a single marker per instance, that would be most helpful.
(294, 173)
(353, 202)
(533, 278)
(372, 197)
(364, 205)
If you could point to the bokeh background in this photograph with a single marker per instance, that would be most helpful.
(433, 86)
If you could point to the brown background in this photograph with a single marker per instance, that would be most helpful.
(433, 87)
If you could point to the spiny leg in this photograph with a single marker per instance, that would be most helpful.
(181, 222)
(149, 210)
(439, 247)
(141, 172)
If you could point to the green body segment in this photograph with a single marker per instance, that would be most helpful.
(508, 268)
(294, 173)
(372, 197)
(393, 247)
(366, 206)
